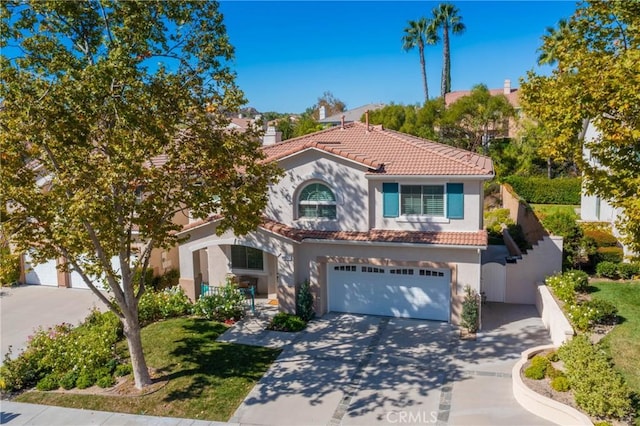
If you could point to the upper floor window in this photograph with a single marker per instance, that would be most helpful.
(426, 200)
(317, 201)
(243, 257)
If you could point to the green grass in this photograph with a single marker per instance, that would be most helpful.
(206, 379)
(544, 210)
(623, 342)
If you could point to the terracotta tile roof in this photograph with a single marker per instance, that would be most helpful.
(387, 151)
(475, 239)
(478, 238)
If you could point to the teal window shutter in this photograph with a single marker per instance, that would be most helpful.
(390, 200)
(455, 201)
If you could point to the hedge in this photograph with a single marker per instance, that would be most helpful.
(540, 190)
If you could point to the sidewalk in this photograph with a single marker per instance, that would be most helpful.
(16, 414)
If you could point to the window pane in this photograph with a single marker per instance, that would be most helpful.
(410, 199)
(307, 210)
(327, 211)
(433, 200)
(238, 257)
(317, 192)
(254, 259)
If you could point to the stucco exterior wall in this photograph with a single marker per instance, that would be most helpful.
(473, 199)
(278, 267)
(346, 180)
(543, 260)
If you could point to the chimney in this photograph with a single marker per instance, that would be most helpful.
(323, 112)
(366, 119)
(507, 87)
(342, 122)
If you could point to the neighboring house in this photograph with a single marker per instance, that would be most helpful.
(348, 116)
(592, 207)
(512, 95)
(270, 135)
(378, 221)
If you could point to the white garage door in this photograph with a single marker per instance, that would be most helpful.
(43, 273)
(78, 282)
(405, 292)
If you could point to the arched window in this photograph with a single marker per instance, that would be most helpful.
(317, 201)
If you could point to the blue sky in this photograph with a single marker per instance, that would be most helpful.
(288, 53)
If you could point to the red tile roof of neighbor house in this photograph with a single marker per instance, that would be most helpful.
(387, 152)
(475, 239)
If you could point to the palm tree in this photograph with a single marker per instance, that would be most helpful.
(418, 34)
(447, 17)
(549, 52)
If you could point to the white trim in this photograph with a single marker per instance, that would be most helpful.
(418, 218)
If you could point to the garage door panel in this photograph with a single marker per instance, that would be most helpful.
(42, 274)
(407, 295)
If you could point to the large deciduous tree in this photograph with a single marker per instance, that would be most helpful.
(447, 17)
(112, 121)
(419, 34)
(599, 80)
(474, 119)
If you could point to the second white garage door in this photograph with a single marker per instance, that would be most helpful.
(390, 291)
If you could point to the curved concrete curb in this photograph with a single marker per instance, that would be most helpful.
(540, 405)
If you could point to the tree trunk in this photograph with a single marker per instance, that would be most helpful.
(445, 84)
(134, 341)
(549, 162)
(424, 73)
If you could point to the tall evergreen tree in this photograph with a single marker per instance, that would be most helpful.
(419, 34)
(447, 17)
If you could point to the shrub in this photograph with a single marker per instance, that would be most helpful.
(552, 372)
(283, 321)
(227, 303)
(123, 370)
(553, 356)
(68, 380)
(604, 312)
(22, 372)
(609, 254)
(48, 383)
(601, 237)
(169, 279)
(58, 350)
(105, 381)
(470, 310)
(168, 303)
(580, 280)
(562, 287)
(538, 368)
(304, 304)
(495, 219)
(607, 269)
(85, 380)
(541, 190)
(560, 384)
(581, 316)
(598, 389)
(627, 271)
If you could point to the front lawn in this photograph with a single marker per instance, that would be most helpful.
(623, 342)
(206, 379)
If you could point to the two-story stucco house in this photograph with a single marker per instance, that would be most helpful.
(378, 221)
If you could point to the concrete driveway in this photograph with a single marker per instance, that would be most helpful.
(365, 370)
(25, 308)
